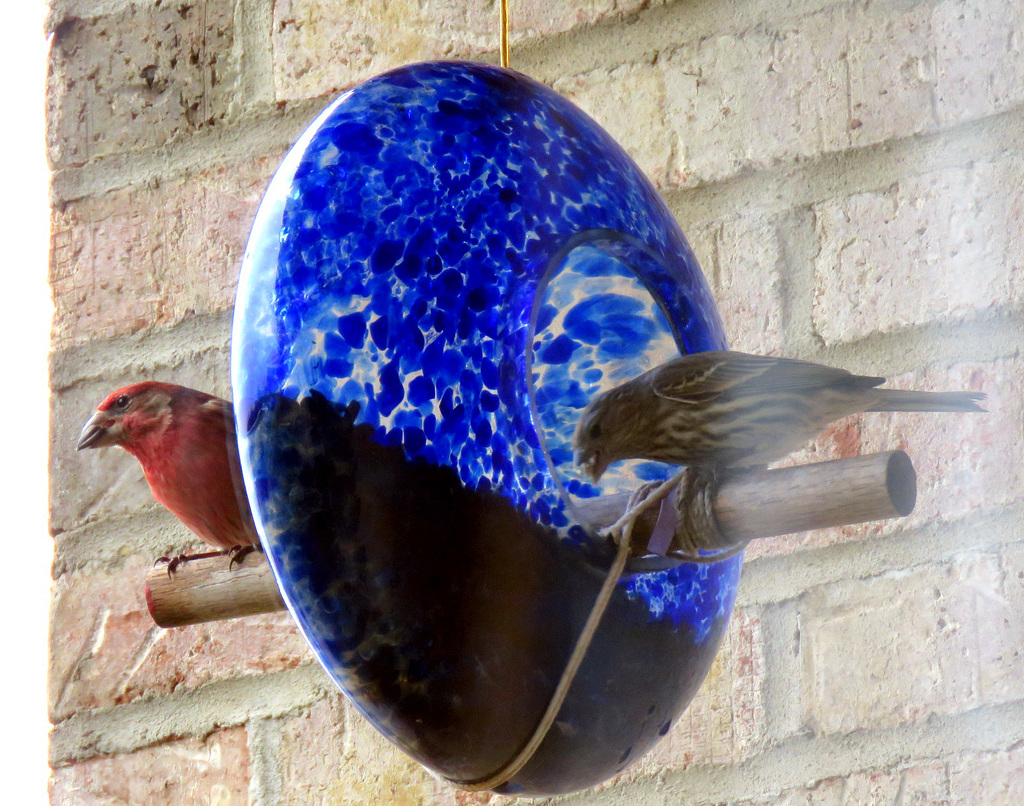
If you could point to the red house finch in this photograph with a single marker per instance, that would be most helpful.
(725, 409)
(185, 442)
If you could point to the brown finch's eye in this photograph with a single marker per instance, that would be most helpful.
(122, 402)
(595, 431)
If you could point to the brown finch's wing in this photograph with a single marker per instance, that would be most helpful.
(699, 377)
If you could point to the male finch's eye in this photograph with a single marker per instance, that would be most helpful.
(122, 402)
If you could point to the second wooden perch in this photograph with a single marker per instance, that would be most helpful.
(761, 504)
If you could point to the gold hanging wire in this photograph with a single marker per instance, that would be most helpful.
(504, 33)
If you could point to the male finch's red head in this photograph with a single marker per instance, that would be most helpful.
(128, 415)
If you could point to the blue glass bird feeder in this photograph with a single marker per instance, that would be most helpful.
(449, 263)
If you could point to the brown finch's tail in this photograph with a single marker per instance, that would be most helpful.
(899, 400)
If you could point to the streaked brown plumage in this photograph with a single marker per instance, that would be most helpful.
(728, 409)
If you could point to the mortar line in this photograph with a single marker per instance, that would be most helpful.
(802, 760)
(840, 174)
(771, 580)
(197, 712)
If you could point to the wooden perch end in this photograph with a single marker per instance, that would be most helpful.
(761, 504)
(804, 497)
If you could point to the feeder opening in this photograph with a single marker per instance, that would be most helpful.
(595, 325)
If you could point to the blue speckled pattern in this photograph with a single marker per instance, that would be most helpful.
(466, 258)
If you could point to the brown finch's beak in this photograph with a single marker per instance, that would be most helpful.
(591, 464)
(94, 432)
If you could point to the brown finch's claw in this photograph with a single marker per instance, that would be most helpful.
(643, 500)
(697, 537)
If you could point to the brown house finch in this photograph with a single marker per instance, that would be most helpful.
(720, 410)
(185, 442)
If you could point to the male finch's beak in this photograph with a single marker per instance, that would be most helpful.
(94, 431)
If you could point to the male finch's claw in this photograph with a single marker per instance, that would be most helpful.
(172, 563)
(238, 554)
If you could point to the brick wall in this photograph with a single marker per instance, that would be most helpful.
(851, 176)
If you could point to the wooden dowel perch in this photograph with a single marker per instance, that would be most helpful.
(761, 504)
(805, 497)
(207, 589)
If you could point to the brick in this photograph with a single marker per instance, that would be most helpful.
(748, 286)
(1001, 672)
(979, 58)
(321, 47)
(331, 754)
(994, 779)
(901, 647)
(725, 723)
(965, 463)
(891, 73)
(628, 102)
(139, 258)
(937, 247)
(703, 241)
(534, 19)
(108, 483)
(137, 77)
(924, 784)
(483, 799)
(745, 100)
(189, 772)
(916, 68)
(742, 259)
(105, 649)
